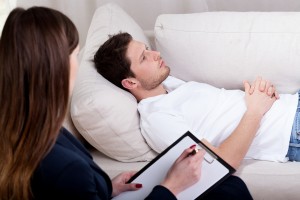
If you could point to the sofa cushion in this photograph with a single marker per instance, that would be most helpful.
(105, 115)
(225, 48)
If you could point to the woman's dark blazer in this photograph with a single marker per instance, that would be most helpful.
(69, 172)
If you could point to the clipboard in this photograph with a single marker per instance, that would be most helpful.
(214, 171)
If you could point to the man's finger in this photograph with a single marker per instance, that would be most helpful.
(247, 87)
(262, 85)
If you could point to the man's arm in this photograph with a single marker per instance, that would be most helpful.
(259, 99)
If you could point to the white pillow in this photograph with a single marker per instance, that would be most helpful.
(225, 48)
(105, 115)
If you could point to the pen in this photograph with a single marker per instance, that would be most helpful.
(193, 152)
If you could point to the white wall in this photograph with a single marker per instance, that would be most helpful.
(5, 7)
(146, 11)
(143, 11)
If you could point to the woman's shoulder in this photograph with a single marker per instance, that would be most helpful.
(64, 170)
(67, 154)
(61, 158)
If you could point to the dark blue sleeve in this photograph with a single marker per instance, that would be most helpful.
(160, 192)
(233, 188)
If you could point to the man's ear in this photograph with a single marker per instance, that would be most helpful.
(129, 83)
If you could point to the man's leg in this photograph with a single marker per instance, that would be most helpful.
(294, 150)
(294, 147)
(233, 188)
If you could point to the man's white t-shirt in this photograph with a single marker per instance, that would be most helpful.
(213, 114)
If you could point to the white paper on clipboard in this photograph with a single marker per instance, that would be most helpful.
(214, 170)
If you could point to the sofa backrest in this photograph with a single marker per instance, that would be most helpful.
(225, 48)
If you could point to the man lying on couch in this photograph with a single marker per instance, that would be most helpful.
(235, 124)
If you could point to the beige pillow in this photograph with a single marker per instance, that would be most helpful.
(105, 115)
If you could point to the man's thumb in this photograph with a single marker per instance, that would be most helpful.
(247, 87)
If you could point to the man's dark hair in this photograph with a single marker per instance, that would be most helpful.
(111, 61)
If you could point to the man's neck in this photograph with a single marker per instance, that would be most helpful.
(140, 95)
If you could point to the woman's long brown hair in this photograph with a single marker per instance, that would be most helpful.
(34, 86)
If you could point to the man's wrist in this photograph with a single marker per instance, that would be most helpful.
(254, 114)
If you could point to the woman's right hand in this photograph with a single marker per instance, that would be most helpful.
(185, 171)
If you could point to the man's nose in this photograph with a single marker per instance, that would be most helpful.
(156, 55)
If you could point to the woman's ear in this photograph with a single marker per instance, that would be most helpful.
(129, 83)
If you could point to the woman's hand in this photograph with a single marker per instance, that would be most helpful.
(185, 172)
(120, 184)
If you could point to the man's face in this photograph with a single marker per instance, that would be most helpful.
(149, 68)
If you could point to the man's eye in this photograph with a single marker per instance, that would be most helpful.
(147, 48)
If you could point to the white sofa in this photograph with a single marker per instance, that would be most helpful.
(219, 48)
